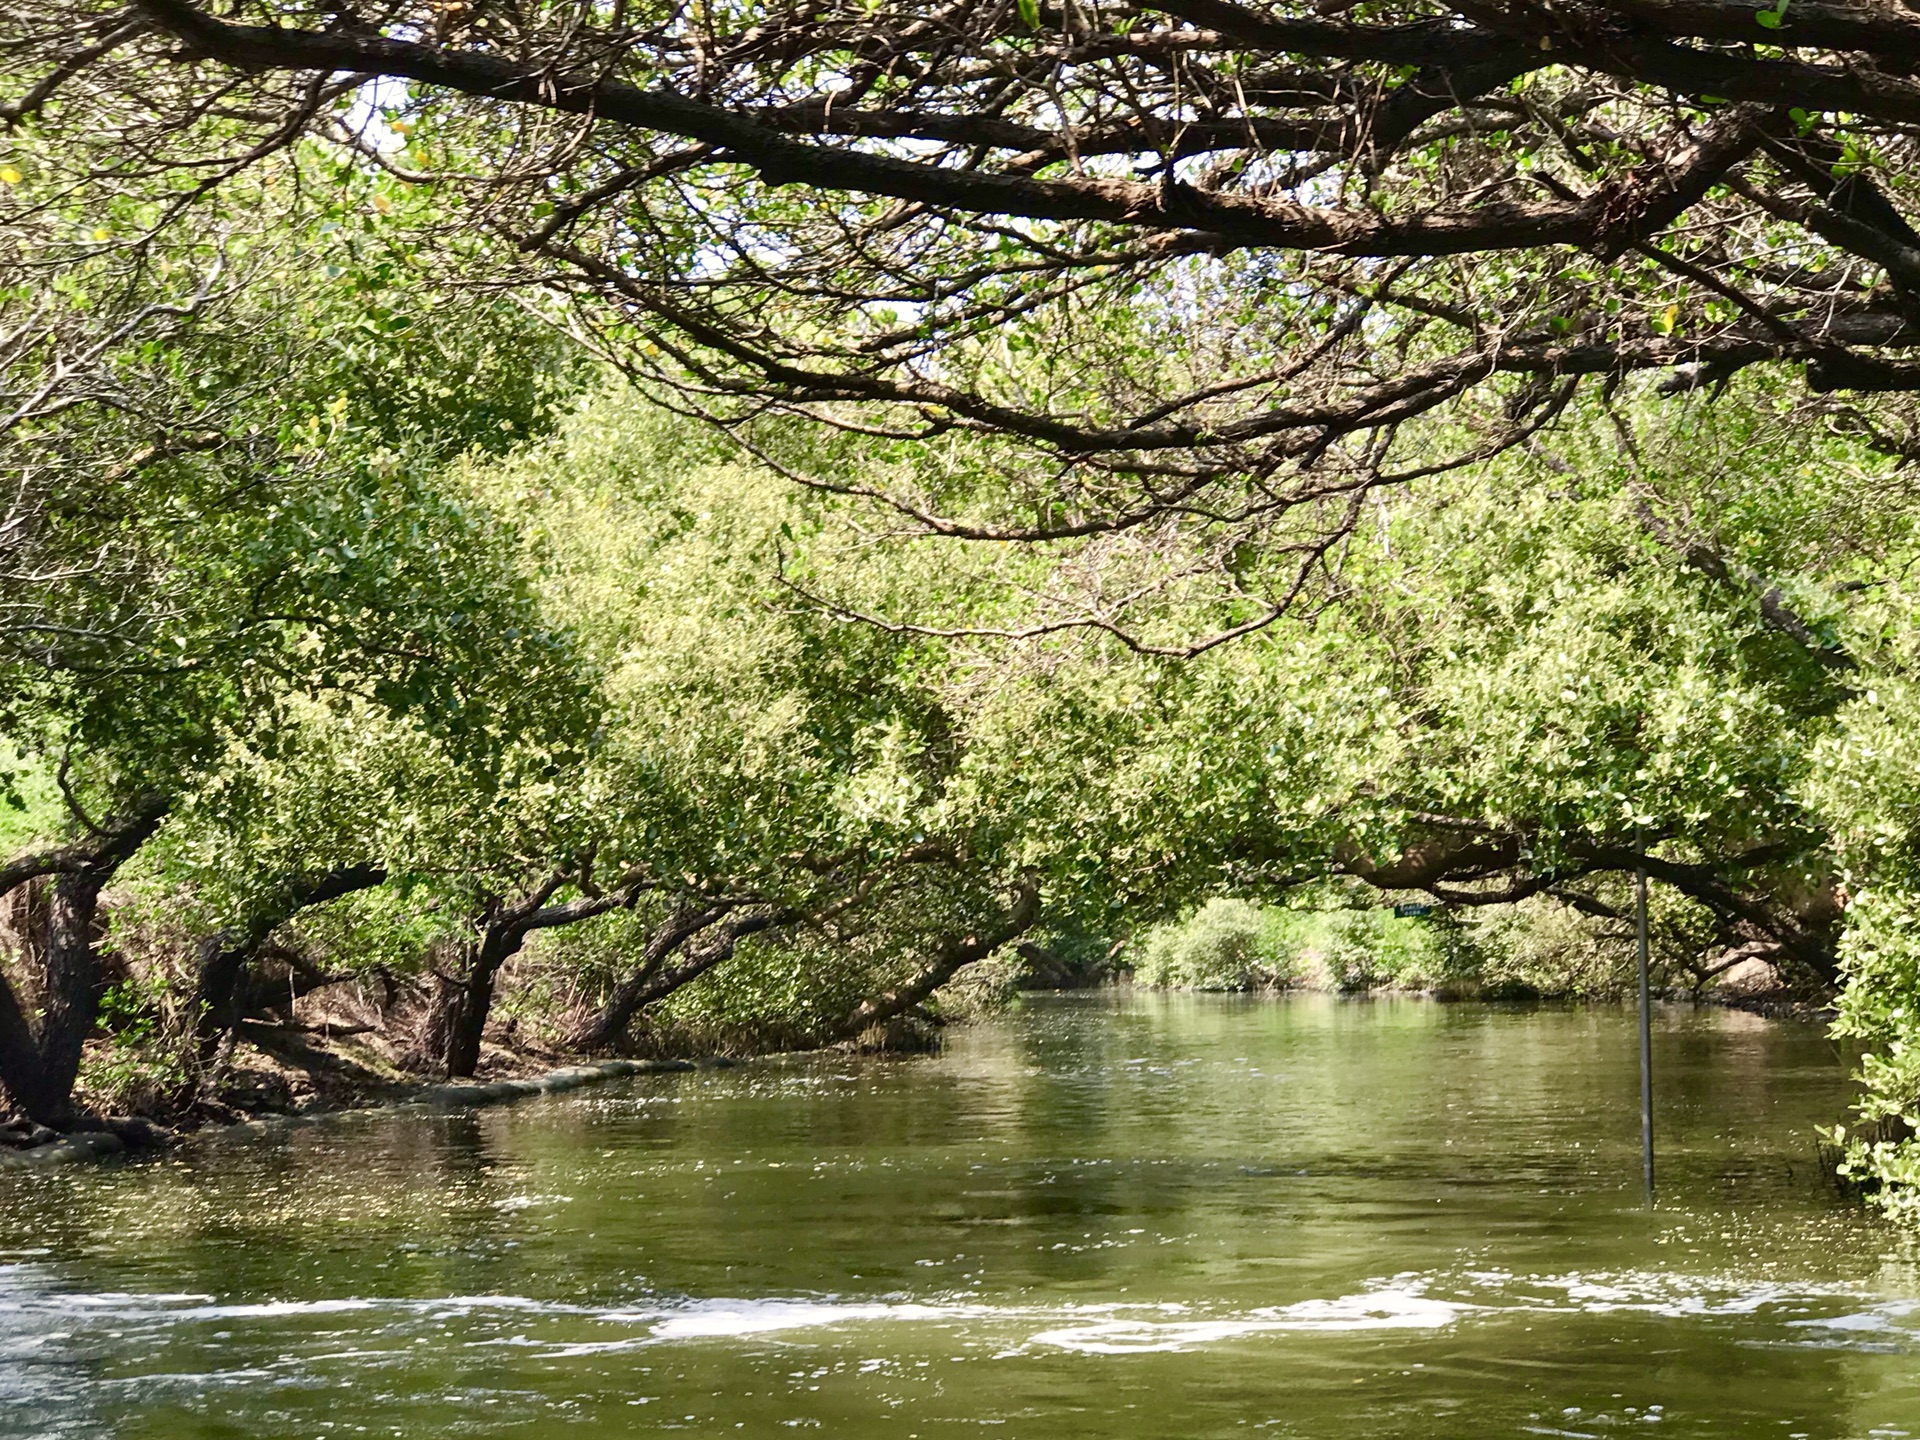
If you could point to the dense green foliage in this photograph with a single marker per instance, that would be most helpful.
(1237, 945)
(369, 640)
(1346, 942)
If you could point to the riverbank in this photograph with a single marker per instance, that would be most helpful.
(135, 1134)
(1778, 1003)
(281, 1078)
(1531, 950)
(276, 1075)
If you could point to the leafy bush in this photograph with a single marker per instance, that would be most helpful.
(142, 1056)
(1225, 945)
(1372, 950)
(1536, 948)
(1541, 947)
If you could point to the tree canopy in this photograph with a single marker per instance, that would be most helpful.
(746, 507)
(1321, 223)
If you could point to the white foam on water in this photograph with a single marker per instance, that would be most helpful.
(719, 1319)
(449, 1303)
(1383, 1309)
(1411, 1302)
(737, 1319)
(271, 1309)
(1669, 1296)
(1867, 1320)
(1878, 1319)
(436, 1306)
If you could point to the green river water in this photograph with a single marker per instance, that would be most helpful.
(1117, 1215)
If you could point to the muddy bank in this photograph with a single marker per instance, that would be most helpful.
(122, 1136)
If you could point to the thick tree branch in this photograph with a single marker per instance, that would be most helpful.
(953, 954)
(1237, 219)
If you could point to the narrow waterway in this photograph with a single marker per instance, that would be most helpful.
(1120, 1216)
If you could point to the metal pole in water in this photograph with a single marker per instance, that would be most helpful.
(1646, 1036)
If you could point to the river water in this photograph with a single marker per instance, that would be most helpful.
(1119, 1215)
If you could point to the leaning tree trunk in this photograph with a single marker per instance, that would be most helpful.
(458, 1020)
(224, 955)
(39, 1071)
(652, 984)
(953, 954)
(640, 988)
(466, 1005)
(23, 1073)
(75, 985)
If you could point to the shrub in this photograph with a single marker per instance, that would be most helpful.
(141, 1059)
(1238, 945)
(1375, 949)
(1225, 945)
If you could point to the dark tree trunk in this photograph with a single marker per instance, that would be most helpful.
(457, 1017)
(224, 955)
(457, 1023)
(74, 982)
(654, 983)
(39, 1071)
(954, 954)
(609, 1027)
(23, 1073)
(465, 1005)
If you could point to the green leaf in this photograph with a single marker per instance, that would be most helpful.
(1030, 13)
